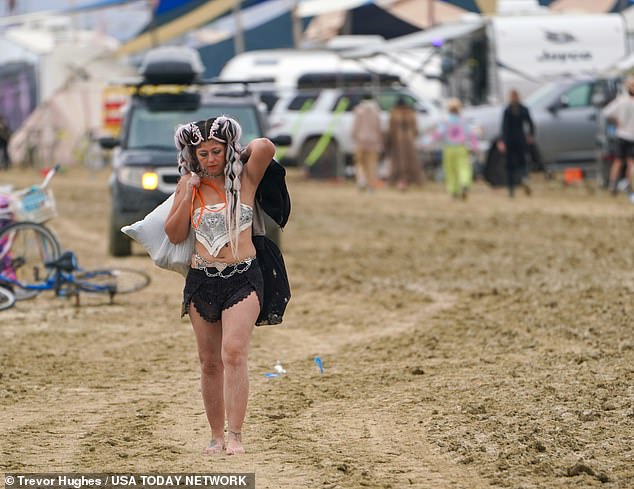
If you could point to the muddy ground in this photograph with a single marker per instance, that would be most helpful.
(474, 344)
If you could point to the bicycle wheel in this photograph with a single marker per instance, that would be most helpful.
(25, 248)
(112, 280)
(7, 298)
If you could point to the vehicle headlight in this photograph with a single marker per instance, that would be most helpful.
(149, 180)
(139, 177)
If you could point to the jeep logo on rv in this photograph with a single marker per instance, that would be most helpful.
(559, 37)
(563, 37)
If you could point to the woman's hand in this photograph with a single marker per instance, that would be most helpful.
(193, 182)
(177, 223)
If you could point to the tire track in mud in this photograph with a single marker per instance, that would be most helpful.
(387, 450)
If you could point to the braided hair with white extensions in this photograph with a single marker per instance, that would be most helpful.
(224, 130)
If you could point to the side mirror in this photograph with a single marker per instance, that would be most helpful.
(109, 142)
(557, 105)
(282, 140)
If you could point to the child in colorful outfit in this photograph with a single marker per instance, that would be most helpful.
(457, 139)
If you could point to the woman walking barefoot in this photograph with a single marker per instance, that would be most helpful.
(224, 287)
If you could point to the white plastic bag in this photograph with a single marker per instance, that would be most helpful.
(150, 234)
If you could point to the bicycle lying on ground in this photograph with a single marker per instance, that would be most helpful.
(31, 259)
(7, 298)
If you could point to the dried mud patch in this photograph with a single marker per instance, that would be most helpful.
(469, 345)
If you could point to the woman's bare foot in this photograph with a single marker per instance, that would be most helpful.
(234, 443)
(216, 445)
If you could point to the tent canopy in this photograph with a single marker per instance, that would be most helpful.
(182, 22)
(274, 31)
(430, 37)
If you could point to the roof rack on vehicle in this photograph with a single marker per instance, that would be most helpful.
(139, 83)
(240, 87)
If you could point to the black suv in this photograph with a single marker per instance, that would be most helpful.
(144, 164)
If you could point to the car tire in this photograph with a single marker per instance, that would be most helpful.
(118, 244)
(327, 165)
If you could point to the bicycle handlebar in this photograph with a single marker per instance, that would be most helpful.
(49, 176)
(42, 186)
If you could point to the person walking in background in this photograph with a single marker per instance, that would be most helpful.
(368, 139)
(515, 142)
(621, 112)
(457, 139)
(402, 133)
(5, 136)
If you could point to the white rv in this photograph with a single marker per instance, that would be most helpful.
(526, 51)
(482, 58)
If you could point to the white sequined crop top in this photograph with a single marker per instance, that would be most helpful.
(212, 230)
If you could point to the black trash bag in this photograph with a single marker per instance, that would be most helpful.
(277, 290)
(494, 171)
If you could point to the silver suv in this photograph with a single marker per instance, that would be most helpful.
(566, 117)
(307, 115)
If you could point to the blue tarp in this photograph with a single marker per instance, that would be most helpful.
(164, 6)
(277, 33)
(169, 10)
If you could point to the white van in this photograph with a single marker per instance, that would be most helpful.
(285, 66)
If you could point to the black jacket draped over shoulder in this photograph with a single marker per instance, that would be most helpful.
(272, 198)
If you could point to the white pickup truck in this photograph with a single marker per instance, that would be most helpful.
(326, 115)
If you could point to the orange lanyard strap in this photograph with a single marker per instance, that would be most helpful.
(197, 195)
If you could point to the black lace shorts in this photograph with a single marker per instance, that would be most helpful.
(212, 295)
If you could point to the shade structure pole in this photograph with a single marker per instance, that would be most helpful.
(238, 38)
(431, 14)
(297, 25)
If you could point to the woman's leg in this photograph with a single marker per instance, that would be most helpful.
(209, 340)
(629, 165)
(510, 170)
(360, 173)
(617, 165)
(615, 170)
(449, 170)
(465, 172)
(237, 324)
(371, 162)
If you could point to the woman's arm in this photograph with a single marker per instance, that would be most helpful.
(257, 155)
(177, 223)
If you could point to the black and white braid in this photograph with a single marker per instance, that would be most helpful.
(229, 130)
(186, 138)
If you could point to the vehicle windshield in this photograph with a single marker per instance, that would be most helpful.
(155, 129)
(538, 96)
